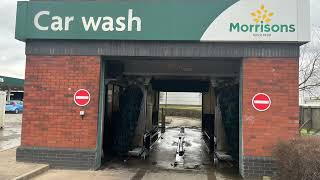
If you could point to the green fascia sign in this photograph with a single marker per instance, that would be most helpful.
(11, 82)
(117, 20)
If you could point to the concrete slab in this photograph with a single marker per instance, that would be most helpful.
(126, 174)
(10, 169)
(119, 175)
(175, 176)
(11, 133)
(33, 173)
(86, 175)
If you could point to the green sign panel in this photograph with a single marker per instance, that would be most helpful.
(11, 82)
(118, 20)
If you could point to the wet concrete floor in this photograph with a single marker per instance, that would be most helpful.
(11, 133)
(163, 155)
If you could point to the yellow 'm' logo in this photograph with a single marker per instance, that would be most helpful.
(262, 15)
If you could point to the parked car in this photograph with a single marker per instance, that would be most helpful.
(14, 106)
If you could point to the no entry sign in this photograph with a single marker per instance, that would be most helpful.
(82, 97)
(261, 102)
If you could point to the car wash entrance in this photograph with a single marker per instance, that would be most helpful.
(134, 123)
(242, 56)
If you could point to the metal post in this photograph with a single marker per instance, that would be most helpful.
(9, 94)
(311, 118)
(166, 102)
(2, 108)
(163, 121)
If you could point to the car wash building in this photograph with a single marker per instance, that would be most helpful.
(94, 70)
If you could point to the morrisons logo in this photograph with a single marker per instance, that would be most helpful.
(262, 23)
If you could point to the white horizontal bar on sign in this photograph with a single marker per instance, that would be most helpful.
(261, 102)
(82, 97)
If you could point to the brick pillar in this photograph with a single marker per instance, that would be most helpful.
(277, 77)
(52, 129)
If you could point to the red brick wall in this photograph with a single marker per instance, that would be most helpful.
(277, 77)
(51, 119)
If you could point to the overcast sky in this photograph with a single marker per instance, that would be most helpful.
(12, 58)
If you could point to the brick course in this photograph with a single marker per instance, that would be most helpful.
(51, 118)
(277, 77)
(59, 157)
(259, 166)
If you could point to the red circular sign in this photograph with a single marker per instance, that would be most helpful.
(82, 97)
(261, 102)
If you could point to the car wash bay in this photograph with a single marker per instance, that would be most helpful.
(124, 66)
(133, 117)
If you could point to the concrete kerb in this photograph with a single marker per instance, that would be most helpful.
(8, 149)
(33, 173)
